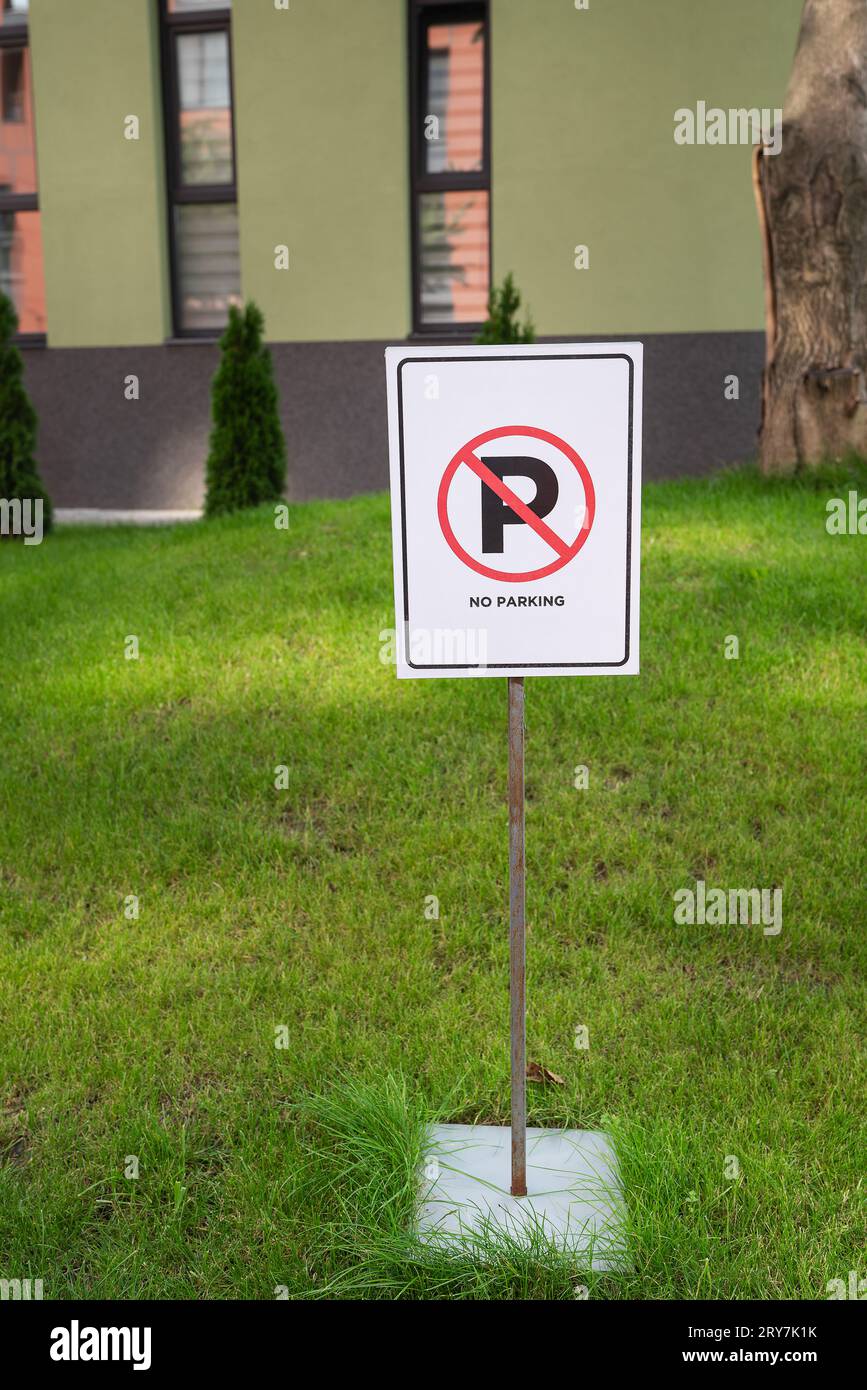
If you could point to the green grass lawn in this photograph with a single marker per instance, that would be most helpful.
(304, 907)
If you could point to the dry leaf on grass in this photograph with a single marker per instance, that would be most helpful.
(537, 1073)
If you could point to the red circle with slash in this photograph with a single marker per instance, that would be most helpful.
(467, 455)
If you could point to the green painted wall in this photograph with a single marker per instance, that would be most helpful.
(102, 196)
(321, 102)
(583, 153)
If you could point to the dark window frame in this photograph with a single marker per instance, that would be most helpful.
(178, 193)
(421, 14)
(17, 35)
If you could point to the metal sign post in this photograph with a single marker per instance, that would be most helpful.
(517, 948)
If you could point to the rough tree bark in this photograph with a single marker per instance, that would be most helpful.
(812, 200)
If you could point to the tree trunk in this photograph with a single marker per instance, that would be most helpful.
(812, 200)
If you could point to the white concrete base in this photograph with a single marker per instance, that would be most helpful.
(105, 516)
(574, 1194)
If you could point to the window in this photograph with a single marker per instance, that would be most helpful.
(21, 274)
(200, 165)
(450, 165)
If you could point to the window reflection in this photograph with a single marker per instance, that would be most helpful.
(21, 274)
(17, 144)
(205, 257)
(13, 11)
(204, 96)
(182, 6)
(209, 263)
(451, 164)
(454, 256)
(455, 95)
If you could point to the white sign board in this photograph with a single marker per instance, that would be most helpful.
(515, 500)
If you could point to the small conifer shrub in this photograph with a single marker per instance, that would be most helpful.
(247, 457)
(19, 475)
(502, 324)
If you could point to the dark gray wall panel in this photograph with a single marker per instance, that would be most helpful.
(97, 449)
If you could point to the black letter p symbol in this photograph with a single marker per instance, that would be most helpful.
(496, 513)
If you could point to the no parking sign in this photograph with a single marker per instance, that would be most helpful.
(515, 503)
(515, 487)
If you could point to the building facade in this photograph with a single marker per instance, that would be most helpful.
(362, 169)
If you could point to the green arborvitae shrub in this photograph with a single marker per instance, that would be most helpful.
(502, 324)
(247, 457)
(19, 476)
